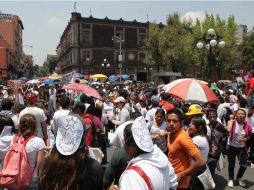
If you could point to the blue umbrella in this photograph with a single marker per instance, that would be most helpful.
(48, 82)
(78, 75)
(113, 78)
(125, 77)
(23, 78)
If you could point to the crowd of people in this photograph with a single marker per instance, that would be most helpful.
(159, 142)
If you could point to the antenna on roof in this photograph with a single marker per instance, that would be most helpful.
(75, 6)
(147, 17)
(90, 11)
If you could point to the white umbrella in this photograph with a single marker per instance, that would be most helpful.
(33, 81)
(192, 91)
(167, 87)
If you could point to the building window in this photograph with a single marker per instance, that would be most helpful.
(142, 30)
(86, 26)
(141, 40)
(142, 57)
(86, 57)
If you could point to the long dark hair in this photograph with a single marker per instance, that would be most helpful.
(6, 121)
(200, 125)
(27, 126)
(64, 172)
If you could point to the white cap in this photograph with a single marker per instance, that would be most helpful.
(141, 134)
(69, 134)
(119, 99)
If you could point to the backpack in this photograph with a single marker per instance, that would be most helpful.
(16, 172)
(91, 136)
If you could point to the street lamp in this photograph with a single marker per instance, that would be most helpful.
(105, 64)
(209, 41)
(120, 56)
(147, 69)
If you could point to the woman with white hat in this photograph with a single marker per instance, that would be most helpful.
(68, 165)
(149, 169)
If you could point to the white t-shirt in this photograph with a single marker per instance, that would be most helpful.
(239, 131)
(161, 141)
(57, 114)
(143, 112)
(32, 147)
(117, 139)
(150, 115)
(52, 94)
(202, 143)
(40, 116)
(109, 108)
(21, 99)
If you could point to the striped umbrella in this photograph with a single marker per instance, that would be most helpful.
(191, 91)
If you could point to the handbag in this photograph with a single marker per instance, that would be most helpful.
(221, 164)
(206, 179)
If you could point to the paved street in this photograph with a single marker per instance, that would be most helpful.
(221, 178)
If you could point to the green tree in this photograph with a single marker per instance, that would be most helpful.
(153, 54)
(248, 51)
(175, 44)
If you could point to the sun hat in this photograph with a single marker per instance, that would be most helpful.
(194, 109)
(141, 134)
(69, 135)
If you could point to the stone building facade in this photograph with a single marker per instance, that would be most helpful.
(87, 43)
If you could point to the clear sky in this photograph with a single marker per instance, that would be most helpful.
(45, 21)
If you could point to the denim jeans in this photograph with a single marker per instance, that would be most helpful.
(242, 157)
(212, 164)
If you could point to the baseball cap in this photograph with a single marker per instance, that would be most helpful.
(119, 99)
(155, 100)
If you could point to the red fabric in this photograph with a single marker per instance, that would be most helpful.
(142, 174)
(250, 84)
(89, 120)
(88, 123)
(181, 89)
(162, 103)
(166, 105)
(33, 96)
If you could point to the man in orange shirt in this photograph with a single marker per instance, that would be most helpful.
(183, 154)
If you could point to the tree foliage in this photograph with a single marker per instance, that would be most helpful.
(175, 44)
(248, 50)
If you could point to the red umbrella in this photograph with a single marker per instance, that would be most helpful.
(192, 91)
(44, 78)
(84, 89)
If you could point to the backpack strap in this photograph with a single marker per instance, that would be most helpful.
(142, 174)
(15, 139)
(26, 141)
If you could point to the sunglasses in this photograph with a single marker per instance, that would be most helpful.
(173, 120)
